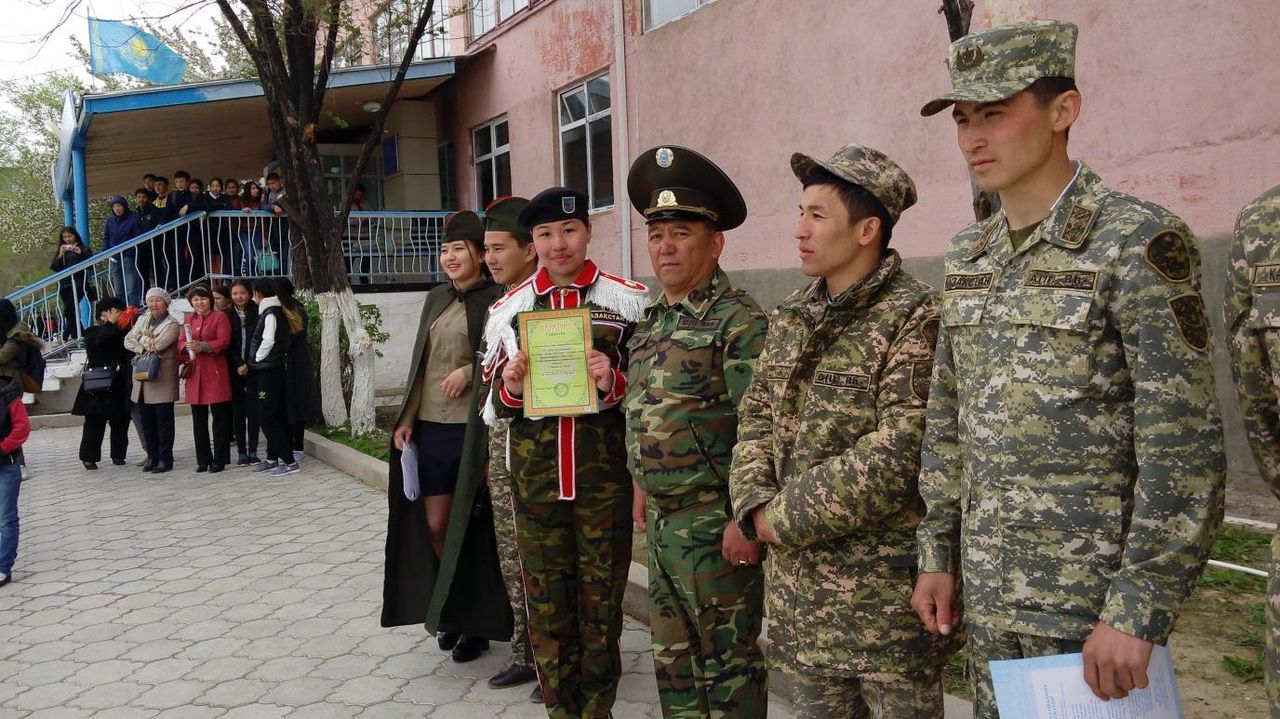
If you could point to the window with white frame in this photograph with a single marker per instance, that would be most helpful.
(487, 14)
(392, 26)
(491, 150)
(658, 12)
(586, 141)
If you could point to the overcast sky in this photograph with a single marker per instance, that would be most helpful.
(25, 22)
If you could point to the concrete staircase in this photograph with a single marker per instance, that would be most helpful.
(61, 384)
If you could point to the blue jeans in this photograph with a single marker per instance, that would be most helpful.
(126, 279)
(10, 480)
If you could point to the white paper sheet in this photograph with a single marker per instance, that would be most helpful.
(409, 470)
(1054, 688)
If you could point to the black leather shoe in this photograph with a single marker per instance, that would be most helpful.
(161, 467)
(215, 468)
(118, 462)
(90, 465)
(242, 460)
(150, 466)
(512, 676)
(535, 696)
(447, 640)
(469, 648)
(202, 468)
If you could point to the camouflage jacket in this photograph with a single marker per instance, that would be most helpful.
(550, 456)
(1253, 321)
(829, 436)
(690, 365)
(1073, 465)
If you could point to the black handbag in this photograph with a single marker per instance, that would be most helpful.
(98, 379)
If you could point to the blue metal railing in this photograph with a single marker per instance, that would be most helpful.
(380, 248)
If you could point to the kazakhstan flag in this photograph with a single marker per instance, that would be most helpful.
(116, 47)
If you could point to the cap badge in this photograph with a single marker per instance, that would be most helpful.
(568, 204)
(969, 57)
(664, 156)
(666, 198)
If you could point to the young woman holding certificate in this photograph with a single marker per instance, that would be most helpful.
(430, 430)
(572, 487)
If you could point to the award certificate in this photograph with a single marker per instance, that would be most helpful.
(556, 343)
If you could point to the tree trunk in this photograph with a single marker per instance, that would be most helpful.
(332, 403)
(360, 348)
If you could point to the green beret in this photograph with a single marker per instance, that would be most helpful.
(464, 225)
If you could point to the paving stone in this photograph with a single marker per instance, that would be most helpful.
(172, 694)
(300, 692)
(105, 696)
(235, 692)
(45, 696)
(367, 690)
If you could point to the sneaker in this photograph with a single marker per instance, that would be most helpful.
(298, 456)
(283, 469)
(265, 466)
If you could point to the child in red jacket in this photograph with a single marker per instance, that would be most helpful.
(15, 427)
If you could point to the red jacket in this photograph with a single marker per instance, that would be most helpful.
(20, 427)
(209, 381)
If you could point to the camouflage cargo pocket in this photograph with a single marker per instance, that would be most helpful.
(1051, 338)
(846, 610)
(1058, 551)
(693, 357)
(1265, 313)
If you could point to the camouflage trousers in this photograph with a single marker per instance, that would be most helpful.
(575, 556)
(869, 696)
(504, 529)
(1273, 630)
(986, 645)
(705, 616)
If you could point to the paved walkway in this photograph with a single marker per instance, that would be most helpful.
(230, 595)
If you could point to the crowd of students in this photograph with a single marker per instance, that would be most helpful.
(241, 352)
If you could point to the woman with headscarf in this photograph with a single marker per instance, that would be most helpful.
(104, 344)
(156, 332)
(206, 334)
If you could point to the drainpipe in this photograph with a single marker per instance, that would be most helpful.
(80, 186)
(624, 146)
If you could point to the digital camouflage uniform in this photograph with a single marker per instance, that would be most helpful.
(690, 365)
(1253, 321)
(829, 437)
(572, 499)
(504, 528)
(1073, 465)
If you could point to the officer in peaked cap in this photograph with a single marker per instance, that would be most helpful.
(691, 361)
(1073, 431)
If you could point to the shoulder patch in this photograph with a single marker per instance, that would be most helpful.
(929, 330)
(1267, 275)
(1188, 313)
(1167, 252)
(921, 376)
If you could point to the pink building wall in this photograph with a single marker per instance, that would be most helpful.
(1178, 102)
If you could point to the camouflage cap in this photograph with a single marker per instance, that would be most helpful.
(1001, 62)
(869, 169)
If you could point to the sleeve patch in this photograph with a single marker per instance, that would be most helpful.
(1188, 313)
(921, 376)
(1168, 253)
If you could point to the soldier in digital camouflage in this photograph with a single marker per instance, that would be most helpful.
(511, 259)
(690, 363)
(1253, 324)
(828, 452)
(569, 473)
(1073, 465)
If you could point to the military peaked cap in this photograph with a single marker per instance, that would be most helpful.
(671, 182)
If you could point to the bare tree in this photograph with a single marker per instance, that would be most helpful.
(292, 44)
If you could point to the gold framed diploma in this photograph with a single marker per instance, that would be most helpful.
(556, 343)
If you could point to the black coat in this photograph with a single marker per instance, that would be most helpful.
(63, 260)
(302, 394)
(241, 332)
(464, 592)
(104, 345)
